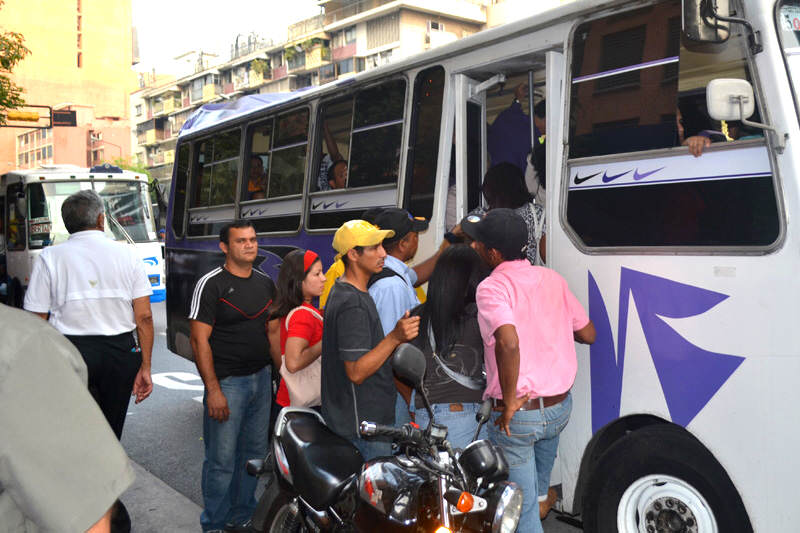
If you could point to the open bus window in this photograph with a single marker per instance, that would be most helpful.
(636, 87)
(257, 168)
(334, 145)
(423, 154)
(288, 164)
(216, 169)
(377, 134)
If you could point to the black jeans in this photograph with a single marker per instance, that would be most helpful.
(113, 362)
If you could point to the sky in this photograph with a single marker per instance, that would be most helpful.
(168, 28)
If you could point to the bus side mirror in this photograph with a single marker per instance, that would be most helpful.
(700, 22)
(730, 99)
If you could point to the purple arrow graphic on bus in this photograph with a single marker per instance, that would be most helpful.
(689, 375)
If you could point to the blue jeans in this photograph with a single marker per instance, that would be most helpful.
(461, 425)
(228, 491)
(370, 449)
(530, 452)
(401, 415)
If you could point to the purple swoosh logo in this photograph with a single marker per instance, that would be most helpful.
(607, 178)
(637, 176)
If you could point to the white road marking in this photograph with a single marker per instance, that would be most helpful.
(177, 380)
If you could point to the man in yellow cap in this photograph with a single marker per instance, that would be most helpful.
(357, 379)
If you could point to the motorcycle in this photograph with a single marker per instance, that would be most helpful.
(318, 481)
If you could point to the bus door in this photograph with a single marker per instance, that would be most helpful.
(470, 142)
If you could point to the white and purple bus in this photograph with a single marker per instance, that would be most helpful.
(686, 264)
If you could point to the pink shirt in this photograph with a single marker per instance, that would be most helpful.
(538, 303)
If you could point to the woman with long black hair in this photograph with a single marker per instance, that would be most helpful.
(451, 341)
(296, 327)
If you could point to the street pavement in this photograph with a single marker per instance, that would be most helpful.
(164, 439)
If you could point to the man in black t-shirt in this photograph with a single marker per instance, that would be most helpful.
(357, 382)
(228, 314)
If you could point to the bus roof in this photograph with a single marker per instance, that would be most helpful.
(70, 172)
(210, 115)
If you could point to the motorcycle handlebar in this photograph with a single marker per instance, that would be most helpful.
(405, 433)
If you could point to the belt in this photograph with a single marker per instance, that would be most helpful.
(532, 404)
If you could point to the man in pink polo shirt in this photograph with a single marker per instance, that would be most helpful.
(529, 321)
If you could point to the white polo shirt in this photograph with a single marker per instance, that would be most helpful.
(88, 284)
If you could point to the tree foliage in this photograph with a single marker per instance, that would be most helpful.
(12, 51)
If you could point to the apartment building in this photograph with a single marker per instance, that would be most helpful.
(80, 61)
(347, 37)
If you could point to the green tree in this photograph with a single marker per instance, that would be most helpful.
(12, 51)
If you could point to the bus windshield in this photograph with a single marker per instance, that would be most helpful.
(789, 24)
(126, 205)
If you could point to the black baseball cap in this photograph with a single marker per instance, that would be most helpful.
(502, 229)
(371, 214)
(400, 221)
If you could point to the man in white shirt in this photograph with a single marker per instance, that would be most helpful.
(96, 292)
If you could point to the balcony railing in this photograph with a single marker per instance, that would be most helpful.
(279, 72)
(304, 27)
(253, 43)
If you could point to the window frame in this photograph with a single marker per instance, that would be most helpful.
(191, 182)
(316, 156)
(247, 153)
(567, 163)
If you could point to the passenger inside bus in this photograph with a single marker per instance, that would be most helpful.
(257, 183)
(333, 167)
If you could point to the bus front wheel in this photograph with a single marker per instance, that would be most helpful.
(662, 479)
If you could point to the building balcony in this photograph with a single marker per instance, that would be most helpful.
(227, 88)
(343, 52)
(318, 56)
(346, 12)
(210, 92)
(280, 72)
(257, 78)
(304, 27)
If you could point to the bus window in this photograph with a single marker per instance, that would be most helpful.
(181, 180)
(636, 87)
(334, 145)
(377, 135)
(217, 159)
(275, 168)
(288, 164)
(259, 145)
(424, 151)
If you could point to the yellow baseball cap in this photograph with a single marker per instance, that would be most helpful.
(358, 233)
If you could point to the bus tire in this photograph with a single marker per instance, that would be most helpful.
(663, 477)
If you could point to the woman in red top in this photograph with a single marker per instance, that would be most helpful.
(296, 326)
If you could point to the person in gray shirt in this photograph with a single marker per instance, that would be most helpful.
(61, 466)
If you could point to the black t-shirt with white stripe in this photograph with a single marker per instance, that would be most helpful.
(236, 308)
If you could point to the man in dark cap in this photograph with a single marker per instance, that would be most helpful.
(529, 321)
(393, 288)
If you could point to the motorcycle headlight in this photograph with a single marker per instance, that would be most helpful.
(509, 507)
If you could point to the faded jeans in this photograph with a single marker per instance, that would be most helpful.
(461, 425)
(228, 491)
(530, 452)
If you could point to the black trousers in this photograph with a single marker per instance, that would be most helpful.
(113, 362)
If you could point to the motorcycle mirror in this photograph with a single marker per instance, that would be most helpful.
(408, 363)
(483, 413)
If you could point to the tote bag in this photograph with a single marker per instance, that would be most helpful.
(303, 385)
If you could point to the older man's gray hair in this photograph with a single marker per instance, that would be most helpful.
(80, 211)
